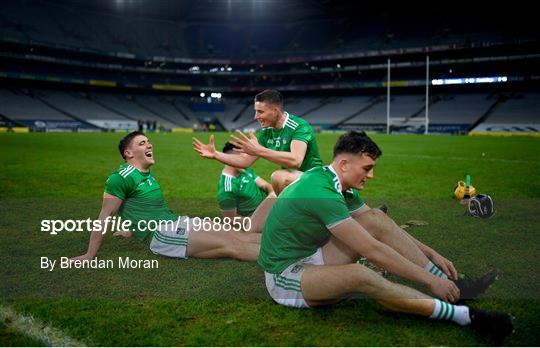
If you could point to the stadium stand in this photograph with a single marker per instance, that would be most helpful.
(521, 108)
(57, 23)
(79, 105)
(164, 106)
(460, 108)
(18, 105)
(337, 109)
(128, 106)
(131, 68)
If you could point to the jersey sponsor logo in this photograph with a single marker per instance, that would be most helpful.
(127, 171)
(276, 141)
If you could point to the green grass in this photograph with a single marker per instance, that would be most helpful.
(224, 302)
(11, 337)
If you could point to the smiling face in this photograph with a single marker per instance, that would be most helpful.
(140, 153)
(267, 114)
(354, 170)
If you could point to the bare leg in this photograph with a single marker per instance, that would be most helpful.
(249, 237)
(258, 218)
(213, 245)
(335, 252)
(323, 285)
(385, 230)
(282, 178)
(393, 296)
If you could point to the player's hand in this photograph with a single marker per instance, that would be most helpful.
(205, 150)
(246, 145)
(81, 258)
(444, 289)
(445, 265)
(125, 234)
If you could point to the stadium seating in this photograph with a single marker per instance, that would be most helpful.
(18, 105)
(460, 108)
(80, 105)
(57, 24)
(237, 113)
(336, 110)
(522, 108)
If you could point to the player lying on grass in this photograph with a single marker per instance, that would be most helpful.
(240, 191)
(312, 239)
(133, 192)
(285, 139)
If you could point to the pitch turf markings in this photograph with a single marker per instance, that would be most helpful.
(36, 329)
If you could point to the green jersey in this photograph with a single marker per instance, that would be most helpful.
(294, 128)
(142, 196)
(298, 223)
(240, 193)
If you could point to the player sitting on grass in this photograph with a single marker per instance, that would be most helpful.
(133, 192)
(240, 191)
(285, 139)
(311, 241)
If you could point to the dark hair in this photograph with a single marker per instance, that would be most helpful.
(125, 142)
(270, 96)
(228, 147)
(356, 143)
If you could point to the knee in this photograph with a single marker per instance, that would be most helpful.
(234, 243)
(367, 280)
(279, 176)
(373, 222)
(377, 214)
(383, 224)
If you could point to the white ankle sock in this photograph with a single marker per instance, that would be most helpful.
(432, 268)
(447, 311)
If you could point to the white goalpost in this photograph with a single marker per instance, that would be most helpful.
(406, 122)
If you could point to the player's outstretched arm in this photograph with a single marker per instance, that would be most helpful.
(251, 146)
(110, 207)
(229, 213)
(357, 238)
(209, 151)
(443, 263)
(125, 234)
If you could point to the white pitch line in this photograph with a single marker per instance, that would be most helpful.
(461, 158)
(36, 329)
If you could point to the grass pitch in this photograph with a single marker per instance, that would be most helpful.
(224, 302)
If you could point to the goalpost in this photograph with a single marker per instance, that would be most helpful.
(416, 122)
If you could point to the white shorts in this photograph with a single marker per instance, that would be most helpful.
(172, 239)
(285, 287)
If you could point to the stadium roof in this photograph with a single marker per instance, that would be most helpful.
(296, 10)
